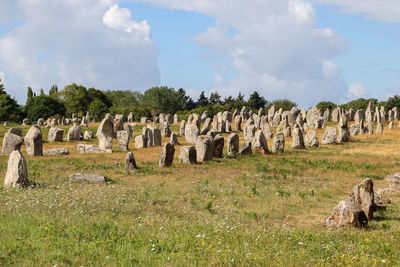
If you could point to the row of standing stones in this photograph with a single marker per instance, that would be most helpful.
(208, 143)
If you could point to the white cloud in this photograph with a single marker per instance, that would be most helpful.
(357, 90)
(120, 19)
(277, 48)
(61, 42)
(384, 10)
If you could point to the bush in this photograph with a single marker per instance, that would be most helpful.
(285, 104)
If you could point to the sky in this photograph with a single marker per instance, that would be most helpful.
(304, 50)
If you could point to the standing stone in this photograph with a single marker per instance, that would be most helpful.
(369, 113)
(123, 140)
(169, 118)
(346, 214)
(228, 127)
(149, 137)
(141, 141)
(5, 124)
(204, 116)
(327, 115)
(164, 129)
(379, 128)
(233, 144)
(130, 162)
(84, 122)
(191, 133)
(219, 143)
(245, 149)
(17, 171)
(182, 128)
(222, 126)
(130, 117)
(143, 120)
(370, 127)
(238, 123)
(88, 135)
(329, 136)
(40, 122)
(344, 133)
(204, 148)
(176, 118)
(267, 130)
(278, 144)
(206, 126)
(11, 142)
(276, 119)
(260, 142)
(188, 155)
(311, 139)
(354, 129)
(156, 135)
(335, 114)
(167, 155)
(55, 135)
(74, 133)
(391, 125)
(174, 139)
(249, 132)
(34, 142)
(105, 133)
(25, 122)
(363, 197)
(298, 141)
(271, 113)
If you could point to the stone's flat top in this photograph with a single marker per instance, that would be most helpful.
(92, 178)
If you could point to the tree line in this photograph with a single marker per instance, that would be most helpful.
(78, 99)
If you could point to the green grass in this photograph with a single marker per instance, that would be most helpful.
(257, 210)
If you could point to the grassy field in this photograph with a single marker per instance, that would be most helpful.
(252, 210)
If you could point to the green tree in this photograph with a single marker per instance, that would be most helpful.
(360, 103)
(53, 91)
(75, 99)
(98, 109)
(285, 104)
(44, 106)
(393, 101)
(203, 100)
(215, 98)
(30, 92)
(240, 98)
(256, 101)
(326, 105)
(162, 99)
(124, 98)
(9, 109)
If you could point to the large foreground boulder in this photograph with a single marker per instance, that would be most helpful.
(55, 135)
(34, 142)
(232, 144)
(219, 143)
(11, 142)
(191, 133)
(188, 155)
(74, 134)
(123, 140)
(105, 133)
(329, 136)
(204, 148)
(346, 214)
(130, 162)
(278, 143)
(167, 155)
(311, 139)
(17, 171)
